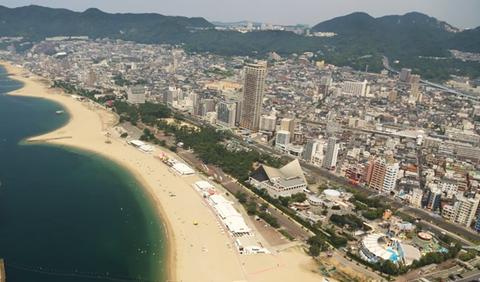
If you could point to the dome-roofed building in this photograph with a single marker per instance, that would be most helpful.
(376, 247)
(331, 194)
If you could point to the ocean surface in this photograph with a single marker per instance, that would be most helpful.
(67, 215)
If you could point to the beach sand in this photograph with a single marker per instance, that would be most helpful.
(196, 253)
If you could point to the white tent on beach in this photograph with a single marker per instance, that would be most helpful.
(182, 169)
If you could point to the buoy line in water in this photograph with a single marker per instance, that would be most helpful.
(79, 274)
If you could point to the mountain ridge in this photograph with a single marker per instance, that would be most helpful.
(30, 21)
(361, 39)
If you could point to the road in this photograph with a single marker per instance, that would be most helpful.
(232, 186)
(434, 223)
(473, 277)
(386, 65)
(439, 224)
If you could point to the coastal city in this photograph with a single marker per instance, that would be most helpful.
(376, 175)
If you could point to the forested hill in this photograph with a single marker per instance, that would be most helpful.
(36, 22)
(418, 41)
(359, 34)
(361, 40)
(413, 34)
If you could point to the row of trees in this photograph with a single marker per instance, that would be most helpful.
(208, 144)
(260, 211)
(72, 89)
(295, 198)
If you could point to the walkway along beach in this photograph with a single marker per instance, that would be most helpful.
(197, 252)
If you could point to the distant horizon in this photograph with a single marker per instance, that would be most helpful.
(461, 14)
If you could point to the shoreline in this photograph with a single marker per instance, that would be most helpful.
(197, 245)
(12, 72)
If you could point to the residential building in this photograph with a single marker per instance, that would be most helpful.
(136, 94)
(416, 199)
(330, 160)
(310, 150)
(207, 106)
(434, 198)
(282, 139)
(465, 209)
(268, 123)
(288, 124)
(226, 113)
(405, 74)
(355, 88)
(382, 175)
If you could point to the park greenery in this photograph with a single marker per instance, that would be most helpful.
(466, 256)
(148, 113)
(209, 145)
(348, 221)
(295, 198)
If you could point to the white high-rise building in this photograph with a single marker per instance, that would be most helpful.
(268, 123)
(391, 174)
(171, 95)
(253, 88)
(194, 98)
(136, 94)
(226, 112)
(465, 209)
(330, 160)
(382, 175)
(310, 150)
(288, 124)
(416, 199)
(282, 139)
(355, 88)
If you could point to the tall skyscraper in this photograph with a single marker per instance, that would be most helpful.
(253, 88)
(171, 95)
(330, 160)
(317, 158)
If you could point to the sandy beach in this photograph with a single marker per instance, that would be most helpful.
(202, 252)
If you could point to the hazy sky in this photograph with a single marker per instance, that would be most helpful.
(460, 13)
